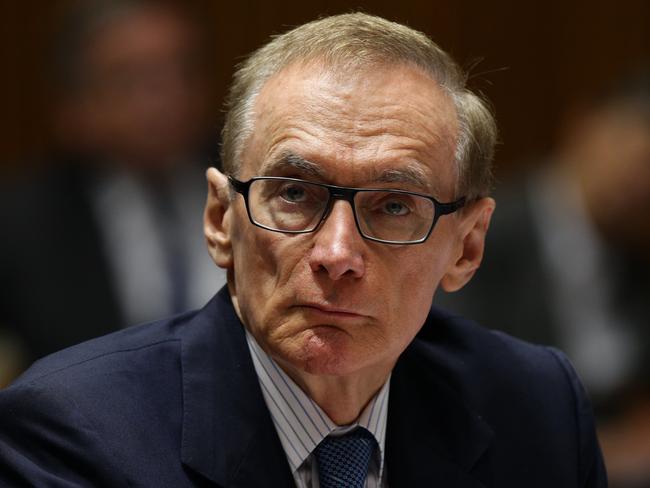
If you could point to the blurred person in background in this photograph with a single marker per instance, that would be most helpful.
(570, 246)
(113, 227)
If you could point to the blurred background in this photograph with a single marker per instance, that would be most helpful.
(111, 113)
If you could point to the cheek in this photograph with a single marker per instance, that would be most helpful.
(418, 281)
(264, 263)
(255, 266)
(416, 294)
(411, 305)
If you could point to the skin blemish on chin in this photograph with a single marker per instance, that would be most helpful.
(324, 341)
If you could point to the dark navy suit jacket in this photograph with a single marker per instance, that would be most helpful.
(177, 403)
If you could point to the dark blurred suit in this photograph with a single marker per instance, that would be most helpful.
(55, 267)
(53, 272)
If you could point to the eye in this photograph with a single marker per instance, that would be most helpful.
(294, 193)
(395, 207)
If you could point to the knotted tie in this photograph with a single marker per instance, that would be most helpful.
(343, 461)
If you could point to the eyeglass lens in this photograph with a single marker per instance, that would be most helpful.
(296, 206)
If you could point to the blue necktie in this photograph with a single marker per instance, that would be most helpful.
(343, 461)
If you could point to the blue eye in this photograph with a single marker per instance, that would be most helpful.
(294, 193)
(395, 208)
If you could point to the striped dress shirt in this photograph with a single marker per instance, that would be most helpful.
(301, 424)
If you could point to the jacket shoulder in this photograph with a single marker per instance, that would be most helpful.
(87, 413)
(109, 349)
(528, 394)
(459, 341)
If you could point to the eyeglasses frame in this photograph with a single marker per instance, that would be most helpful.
(348, 194)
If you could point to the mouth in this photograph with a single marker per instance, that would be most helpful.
(331, 311)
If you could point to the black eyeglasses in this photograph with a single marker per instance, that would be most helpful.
(294, 206)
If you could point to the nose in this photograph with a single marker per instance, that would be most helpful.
(338, 247)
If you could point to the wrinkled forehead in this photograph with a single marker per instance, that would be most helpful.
(379, 119)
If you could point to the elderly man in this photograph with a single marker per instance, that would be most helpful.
(357, 166)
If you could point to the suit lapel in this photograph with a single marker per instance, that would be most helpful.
(433, 438)
(228, 435)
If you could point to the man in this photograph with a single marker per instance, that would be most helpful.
(356, 167)
(123, 192)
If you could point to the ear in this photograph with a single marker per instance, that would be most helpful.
(217, 219)
(471, 244)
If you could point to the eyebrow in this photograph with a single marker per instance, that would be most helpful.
(288, 161)
(411, 174)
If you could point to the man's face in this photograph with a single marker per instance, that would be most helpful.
(331, 302)
(143, 100)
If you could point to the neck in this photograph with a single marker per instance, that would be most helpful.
(342, 398)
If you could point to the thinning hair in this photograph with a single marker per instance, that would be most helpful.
(361, 41)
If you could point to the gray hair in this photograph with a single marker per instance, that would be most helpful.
(354, 41)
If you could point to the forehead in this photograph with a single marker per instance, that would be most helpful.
(356, 127)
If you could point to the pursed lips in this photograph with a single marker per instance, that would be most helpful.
(330, 310)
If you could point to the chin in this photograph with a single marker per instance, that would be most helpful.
(325, 350)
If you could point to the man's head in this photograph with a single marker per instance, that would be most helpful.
(605, 147)
(359, 42)
(352, 101)
(132, 82)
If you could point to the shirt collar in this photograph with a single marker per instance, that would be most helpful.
(301, 424)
